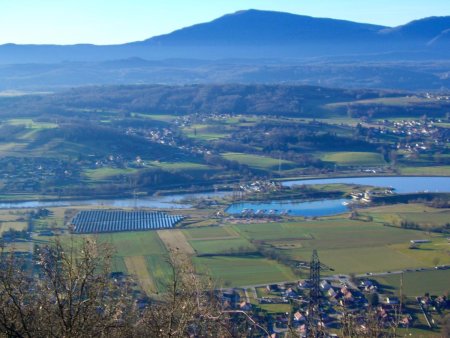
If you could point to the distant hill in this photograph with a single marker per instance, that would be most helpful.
(258, 28)
(250, 34)
(421, 30)
(305, 101)
(249, 46)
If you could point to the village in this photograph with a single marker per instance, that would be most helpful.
(344, 301)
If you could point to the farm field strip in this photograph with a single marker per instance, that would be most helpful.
(219, 247)
(228, 233)
(417, 283)
(174, 240)
(137, 266)
(18, 226)
(353, 158)
(205, 233)
(238, 271)
(257, 161)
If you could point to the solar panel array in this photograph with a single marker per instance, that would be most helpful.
(95, 221)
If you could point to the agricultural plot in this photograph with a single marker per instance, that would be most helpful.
(179, 166)
(436, 252)
(361, 260)
(223, 246)
(160, 270)
(353, 158)
(137, 267)
(15, 220)
(210, 233)
(156, 117)
(31, 124)
(416, 213)
(258, 162)
(248, 270)
(205, 133)
(273, 231)
(436, 282)
(103, 173)
(175, 241)
(426, 170)
(18, 226)
(345, 245)
(387, 101)
(141, 254)
(135, 243)
(97, 221)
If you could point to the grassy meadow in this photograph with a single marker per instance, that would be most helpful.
(353, 158)
(257, 161)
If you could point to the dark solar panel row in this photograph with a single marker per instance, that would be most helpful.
(95, 221)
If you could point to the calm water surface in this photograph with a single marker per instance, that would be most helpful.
(160, 202)
(295, 208)
(316, 208)
(402, 185)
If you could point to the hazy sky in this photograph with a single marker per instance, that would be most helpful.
(118, 21)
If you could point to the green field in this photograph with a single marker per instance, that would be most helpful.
(349, 246)
(103, 173)
(221, 246)
(248, 270)
(148, 254)
(257, 161)
(418, 283)
(272, 231)
(369, 259)
(204, 132)
(156, 117)
(387, 101)
(141, 243)
(437, 171)
(179, 166)
(14, 225)
(160, 271)
(206, 233)
(31, 124)
(353, 158)
(412, 212)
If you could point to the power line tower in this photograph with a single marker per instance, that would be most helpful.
(314, 277)
(314, 318)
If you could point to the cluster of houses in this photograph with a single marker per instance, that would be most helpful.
(110, 161)
(423, 135)
(439, 97)
(188, 120)
(433, 306)
(28, 174)
(339, 298)
(261, 186)
(166, 136)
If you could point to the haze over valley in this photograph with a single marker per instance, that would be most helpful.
(264, 173)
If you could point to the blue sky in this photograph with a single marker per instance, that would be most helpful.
(118, 21)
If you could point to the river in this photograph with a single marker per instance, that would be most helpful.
(175, 201)
(402, 185)
(181, 201)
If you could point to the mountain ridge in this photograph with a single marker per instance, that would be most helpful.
(266, 24)
(248, 46)
(251, 34)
